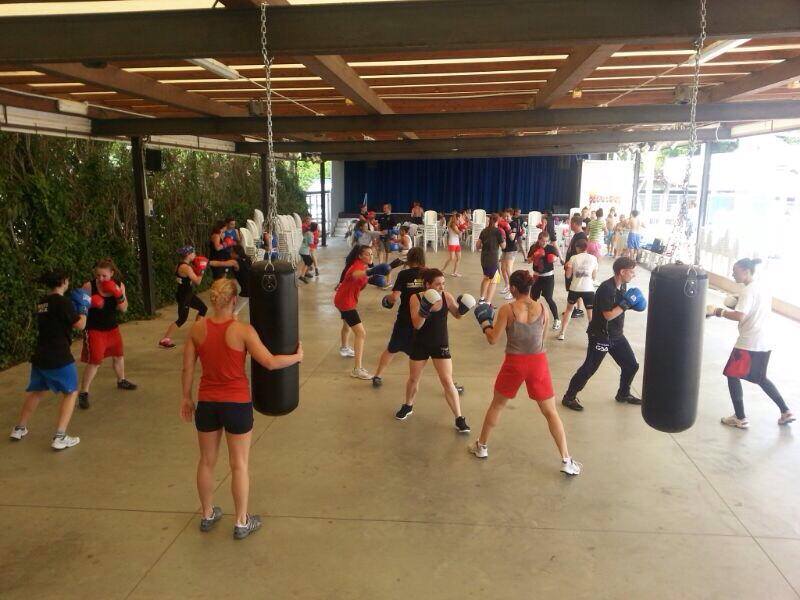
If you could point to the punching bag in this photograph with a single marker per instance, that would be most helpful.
(674, 347)
(273, 314)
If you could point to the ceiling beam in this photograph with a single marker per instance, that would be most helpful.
(384, 27)
(780, 75)
(466, 121)
(560, 151)
(487, 143)
(581, 63)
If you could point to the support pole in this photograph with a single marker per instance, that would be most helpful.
(702, 202)
(637, 167)
(145, 253)
(322, 203)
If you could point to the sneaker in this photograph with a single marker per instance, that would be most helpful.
(478, 449)
(561, 337)
(556, 325)
(456, 274)
(303, 279)
(785, 419)
(83, 400)
(207, 524)
(404, 412)
(572, 403)
(504, 291)
(508, 296)
(62, 442)
(733, 421)
(242, 531)
(377, 381)
(316, 272)
(361, 374)
(166, 343)
(570, 467)
(347, 352)
(577, 313)
(18, 433)
(630, 399)
(461, 425)
(459, 388)
(124, 384)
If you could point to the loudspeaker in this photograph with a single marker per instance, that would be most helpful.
(153, 160)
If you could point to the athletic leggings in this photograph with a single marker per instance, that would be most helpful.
(184, 304)
(543, 286)
(737, 396)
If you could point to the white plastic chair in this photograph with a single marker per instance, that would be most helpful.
(258, 217)
(255, 232)
(430, 231)
(478, 225)
(534, 220)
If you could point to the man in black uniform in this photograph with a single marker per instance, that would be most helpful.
(387, 222)
(52, 364)
(576, 226)
(606, 336)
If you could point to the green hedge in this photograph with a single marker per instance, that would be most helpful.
(65, 203)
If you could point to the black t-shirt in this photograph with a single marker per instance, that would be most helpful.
(243, 275)
(55, 317)
(540, 263)
(408, 283)
(433, 334)
(512, 238)
(490, 238)
(386, 222)
(184, 284)
(571, 250)
(102, 319)
(607, 297)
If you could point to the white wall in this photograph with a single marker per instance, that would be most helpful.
(337, 189)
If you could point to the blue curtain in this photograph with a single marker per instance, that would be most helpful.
(529, 183)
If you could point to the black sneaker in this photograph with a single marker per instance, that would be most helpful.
(627, 398)
(242, 531)
(83, 400)
(377, 381)
(207, 524)
(316, 272)
(124, 384)
(303, 279)
(576, 313)
(461, 425)
(572, 403)
(459, 388)
(404, 412)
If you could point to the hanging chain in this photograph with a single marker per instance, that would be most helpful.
(682, 228)
(272, 216)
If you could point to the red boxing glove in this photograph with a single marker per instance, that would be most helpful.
(551, 258)
(538, 253)
(199, 265)
(228, 242)
(98, 301)
(109, 286)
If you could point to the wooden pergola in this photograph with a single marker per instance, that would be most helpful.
(403, 78)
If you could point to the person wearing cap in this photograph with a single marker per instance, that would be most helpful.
(189, 274)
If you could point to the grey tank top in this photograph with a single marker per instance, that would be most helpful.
(525, 338)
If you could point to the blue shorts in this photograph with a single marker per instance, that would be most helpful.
(63, 380)
(489, 271)
(634, 241)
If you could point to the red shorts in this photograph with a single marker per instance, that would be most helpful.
(530, 368)
(98, 345)
(456, 248)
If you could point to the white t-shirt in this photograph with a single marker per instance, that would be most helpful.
(453, 239)
(583, 265)
(756, 303)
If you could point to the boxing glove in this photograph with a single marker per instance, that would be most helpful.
(538, 254)
(109, 286)
(466, 303)
(731, 301)
(551, 258)
(426, 301)
(387, 301)
(380, 269)
(228, 242)
(394, 247)
(397, 262)
(484, 313)
(711, 311)
(199, 265)
(97, 301)
(81, 301)
(633, 298)
(377, 281)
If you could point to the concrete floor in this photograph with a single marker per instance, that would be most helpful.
(358, 505)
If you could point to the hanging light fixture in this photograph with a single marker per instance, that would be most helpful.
(215, 67)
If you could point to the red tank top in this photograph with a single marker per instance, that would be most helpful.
(224, 378)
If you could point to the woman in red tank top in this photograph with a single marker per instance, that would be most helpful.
(222, 343)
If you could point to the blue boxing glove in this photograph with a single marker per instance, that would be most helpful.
(426, 301)
(484, 313)
(633, 298)
(377, 281)
(380, 269)
(81, 300)
(387, 301)
(394, 247)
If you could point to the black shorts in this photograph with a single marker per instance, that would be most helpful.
(350, 317)
(307, 259)
(235, 417)
(587, 297)
(421, 351)
(402, 338)
(750, 365)
(567, 282)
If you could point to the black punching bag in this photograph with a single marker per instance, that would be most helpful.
(674, 347)
(273, 314)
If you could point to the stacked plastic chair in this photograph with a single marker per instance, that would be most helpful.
(430, 229)
(534, 221)
(478, 225)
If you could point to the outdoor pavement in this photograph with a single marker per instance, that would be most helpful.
(359, 505)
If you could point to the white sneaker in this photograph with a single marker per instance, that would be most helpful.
(478, 449)
(560, 337)
(504, 291)
(508, 296)
(556, 325)
(570, 467)
(18, 433)
(347, 352)
(361, 373)
(61, 443)
(732, 421)
(786, 418)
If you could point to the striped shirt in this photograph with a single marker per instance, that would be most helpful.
(595, 230)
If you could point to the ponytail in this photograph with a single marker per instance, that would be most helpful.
(522, 280)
